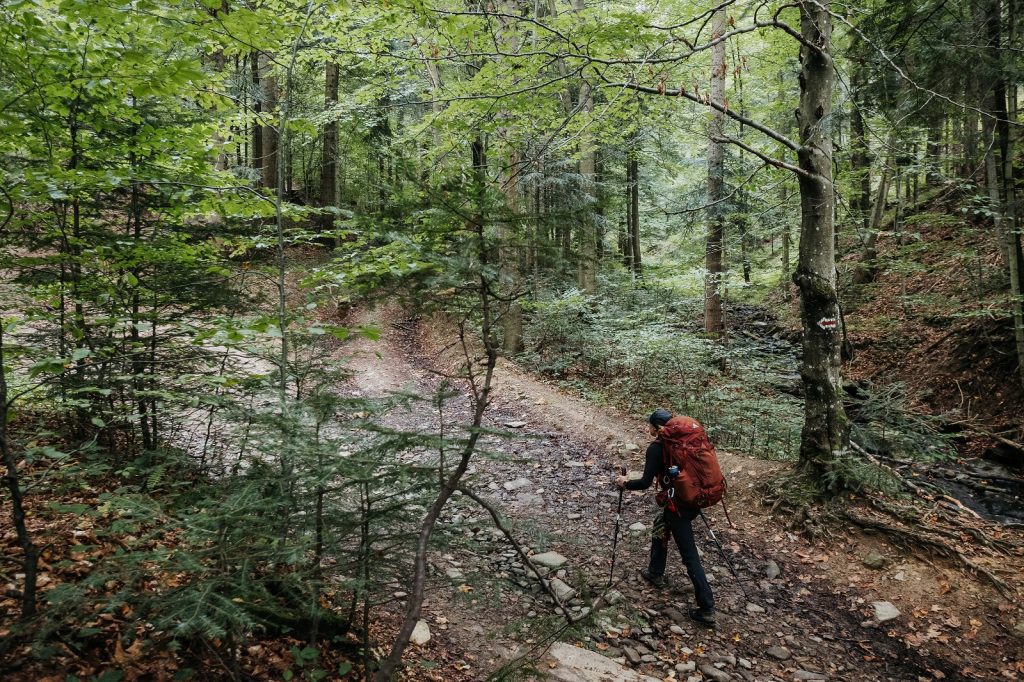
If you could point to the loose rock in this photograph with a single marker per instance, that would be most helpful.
(874, 560)
(808, 675)
(772, 570)
(562, 590)
(549, 559)
(712, 673)
(516, 484)
(885, 611)
(421, 633)
(779, 653)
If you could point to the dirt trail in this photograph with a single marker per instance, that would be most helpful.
(799, 611)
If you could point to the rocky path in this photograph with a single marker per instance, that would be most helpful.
(797, 612)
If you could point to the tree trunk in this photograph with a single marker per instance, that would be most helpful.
(328, 168)
(588, 174)
(270, 162)
(257, 107)
(860, 160)
(867, 269)
(825, 432)
(30, 561)
(633, 224)
(714, 322)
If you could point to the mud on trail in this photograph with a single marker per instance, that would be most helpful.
(801, 609)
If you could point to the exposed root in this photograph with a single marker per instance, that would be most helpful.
(917, 536)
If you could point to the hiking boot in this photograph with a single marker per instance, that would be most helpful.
(654, 580)
(705, 617)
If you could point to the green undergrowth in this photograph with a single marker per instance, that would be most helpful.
(641, 347)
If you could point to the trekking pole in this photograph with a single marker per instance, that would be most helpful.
(615, 537)
(725, 556)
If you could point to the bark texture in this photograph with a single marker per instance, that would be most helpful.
(714, 321)
(329, 168)
(825, 431)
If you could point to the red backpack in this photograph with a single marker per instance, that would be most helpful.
(700, 482)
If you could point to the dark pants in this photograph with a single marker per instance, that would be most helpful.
(681, 528)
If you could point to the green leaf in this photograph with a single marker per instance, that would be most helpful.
(344, 668)
(98, 422)
(287, 675)
(372, 333)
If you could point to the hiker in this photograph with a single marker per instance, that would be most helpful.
(678, 523)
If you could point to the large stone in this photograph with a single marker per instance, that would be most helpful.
(454, 574)
(529, 500)
(809, 676)
(632, 655)
(421, 633)
(772, 570)
(686, 667)
(637, 527)
(712, 673)
(549, 559)
(516, 484)
(573, 664)
(885, 610)
(874, 560)
(562, 590)
(518, 424)
(779, 653)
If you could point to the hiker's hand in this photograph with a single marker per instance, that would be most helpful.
(620, 481)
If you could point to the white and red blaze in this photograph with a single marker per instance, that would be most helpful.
(828, 323)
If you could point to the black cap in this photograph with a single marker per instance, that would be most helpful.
(659, 417)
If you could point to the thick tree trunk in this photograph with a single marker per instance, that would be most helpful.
(714, 321)
(328, 167)
(825, 431)
(588, 175)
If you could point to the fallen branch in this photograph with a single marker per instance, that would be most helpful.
(507, 532)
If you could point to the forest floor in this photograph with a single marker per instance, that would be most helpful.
(806, 606)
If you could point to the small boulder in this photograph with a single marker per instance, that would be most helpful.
(754, 608)
(686, 667)
(637, 527)
(516, 484)
(885, 610)
(874, 560)
(421, 633)
(772, 570)
(548, 559)
(779, 653)
(515, 424)
(712, 673)
(562, 590)
(809, 675)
